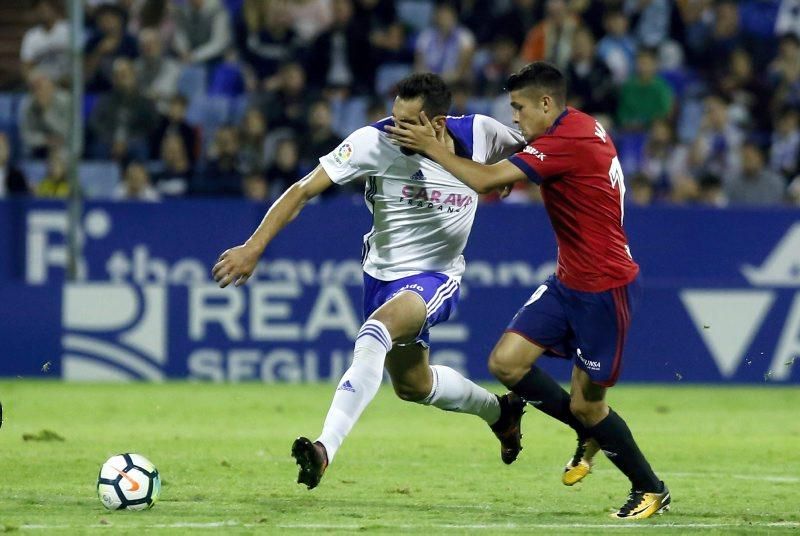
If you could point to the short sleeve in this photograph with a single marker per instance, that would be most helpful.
(494, 141)
(359, 155)
(544, 158)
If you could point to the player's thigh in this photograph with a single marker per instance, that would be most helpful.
(403, 315)
(409, 371)
(601, 323)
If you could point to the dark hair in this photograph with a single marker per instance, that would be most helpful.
(542, 76)
(436, 96)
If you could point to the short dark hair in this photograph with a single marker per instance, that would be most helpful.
(436, 96)
(542, 76)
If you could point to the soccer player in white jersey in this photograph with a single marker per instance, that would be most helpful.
(422, 217)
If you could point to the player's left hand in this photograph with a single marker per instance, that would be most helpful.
(420, 138)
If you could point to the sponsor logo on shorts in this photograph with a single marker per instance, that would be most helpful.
(589, 364)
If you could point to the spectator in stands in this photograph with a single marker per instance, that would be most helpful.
(286, 103)
(340, 57)
(46, 45)
(266, 39)
(391, 45)
(156, 73)
(447, 48)
(174, 171)
(715, 149)
(202, 31)
(588, 78)
(551, 39)
(12, 180)
(319, 138)
(747, 93)
(135, 185)
(755, 185)
(517, 21)
(646, 96)
(788, 20)
(711, 192)
(617, 48)
(123, 119)
(221, 174)
(44, 116)
(109, 43)
(725, 36)
(55, 183)
(255, 188)
(174, 121)
(642, 191)
(653, 18)
(784, 154)
(462, 99)
(503, 62)
(376, 110)
(664, 162)
(154, 14)
(285, 169)
(309, 17)
(253, 136)
(374, 15)
(784, 72)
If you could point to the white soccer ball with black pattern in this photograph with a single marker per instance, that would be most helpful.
(128, 482)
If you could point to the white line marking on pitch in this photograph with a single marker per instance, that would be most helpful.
(453, 526)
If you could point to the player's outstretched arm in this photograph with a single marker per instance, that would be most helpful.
(235, 265)
(480, 177)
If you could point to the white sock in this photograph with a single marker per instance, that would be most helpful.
(453, 392)
(358, 385)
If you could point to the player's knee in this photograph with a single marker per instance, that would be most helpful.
(504, 367)
(588, 413)
(410, 392)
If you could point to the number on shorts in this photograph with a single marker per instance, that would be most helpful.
(536, 295)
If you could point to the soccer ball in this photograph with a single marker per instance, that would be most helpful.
(128, 481)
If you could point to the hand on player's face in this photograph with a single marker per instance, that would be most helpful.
(235, 266)
(417, 137)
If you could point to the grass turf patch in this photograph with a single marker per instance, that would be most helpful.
(729, 456)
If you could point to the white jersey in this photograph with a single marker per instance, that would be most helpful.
(422, 214)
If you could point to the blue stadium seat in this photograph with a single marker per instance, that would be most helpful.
(415, 13)
(390, 74)
(192, 81)
(9, 104)
(226, 80)
(89, 101)
(349, 115)
(209, 112)
(99, 178)
(239, 107)
(34, 171)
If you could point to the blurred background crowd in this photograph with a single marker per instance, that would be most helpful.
(240, 97)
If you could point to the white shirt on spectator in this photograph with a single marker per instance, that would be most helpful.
(47, 50)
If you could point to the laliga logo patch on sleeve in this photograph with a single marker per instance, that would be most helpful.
(343, 153)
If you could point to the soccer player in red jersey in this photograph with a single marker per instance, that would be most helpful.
(584, 310)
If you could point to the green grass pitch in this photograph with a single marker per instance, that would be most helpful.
(731, 457)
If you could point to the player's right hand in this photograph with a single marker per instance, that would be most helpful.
(235, 266)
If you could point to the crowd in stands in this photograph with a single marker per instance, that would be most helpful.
(241, 97)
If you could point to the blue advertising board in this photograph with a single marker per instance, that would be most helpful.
(721, 296)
